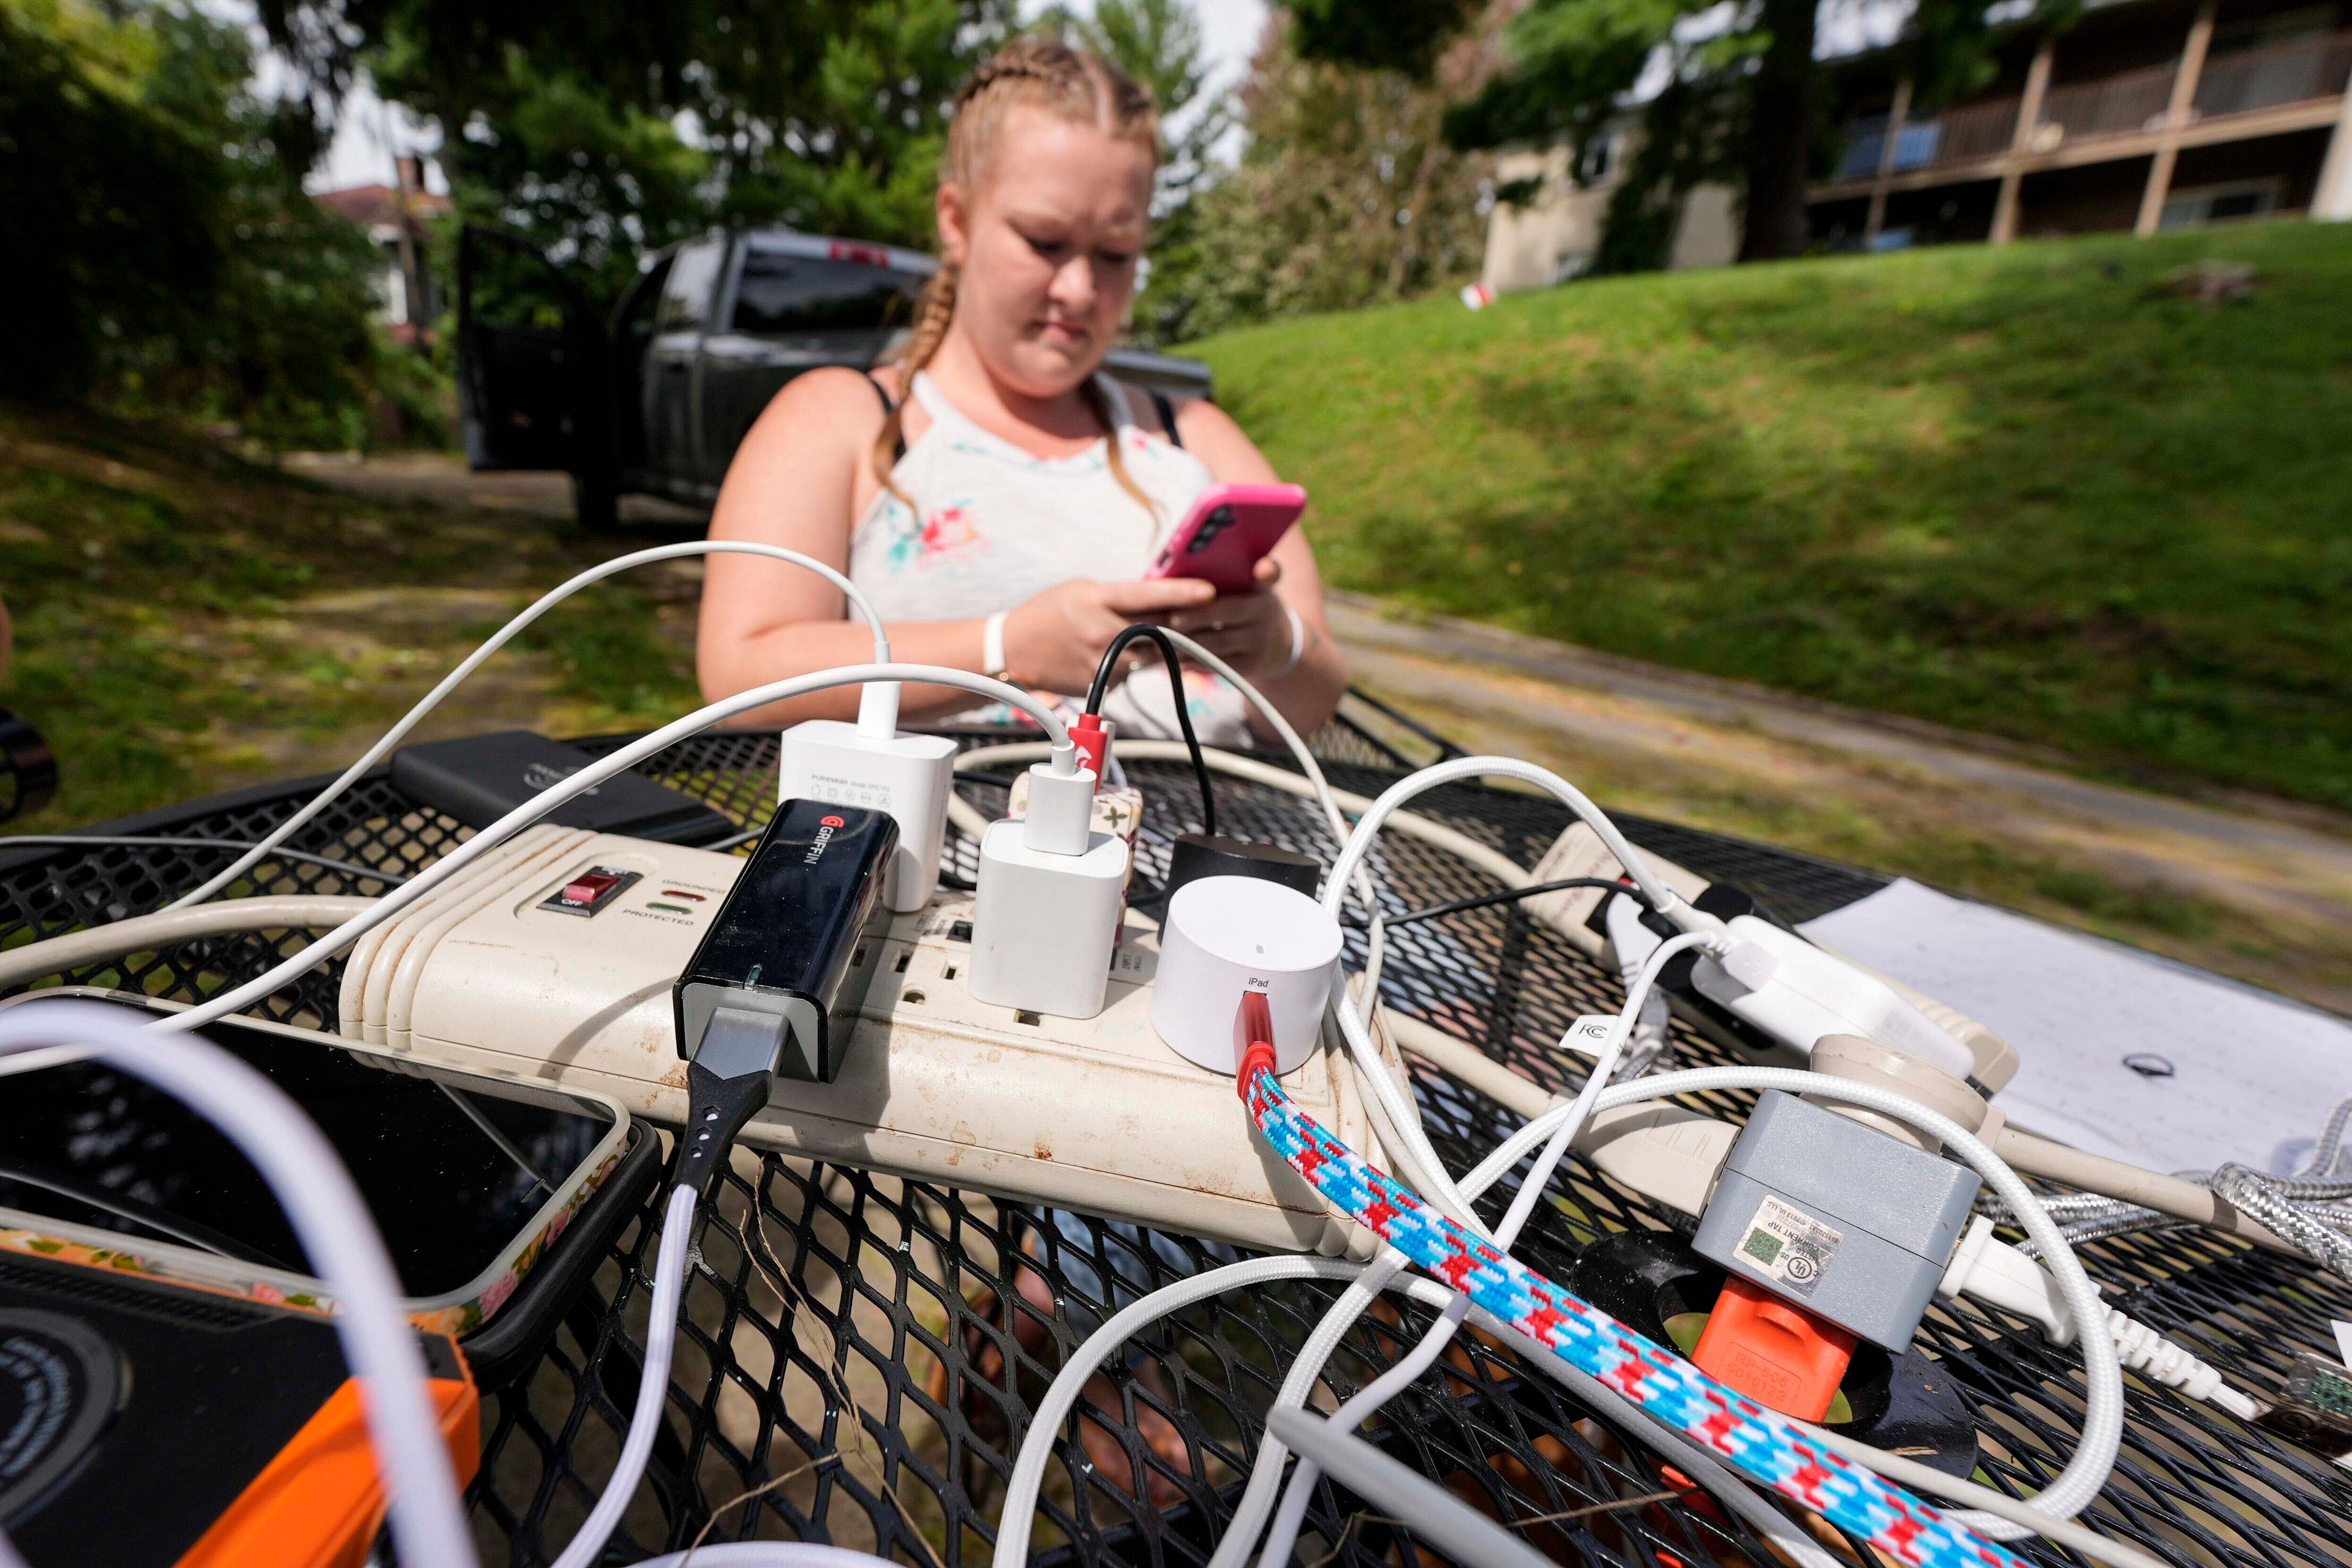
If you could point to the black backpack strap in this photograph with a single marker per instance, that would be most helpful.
(1167, 412)
(889, 407)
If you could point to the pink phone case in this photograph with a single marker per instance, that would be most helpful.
(1228, 528)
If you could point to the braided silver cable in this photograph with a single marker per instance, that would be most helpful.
(2302, 1189)
(2329, 1153)
(2259, 1196)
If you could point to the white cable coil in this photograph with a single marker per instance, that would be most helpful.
(499, 639)
(1368, 1400)
(588, 778)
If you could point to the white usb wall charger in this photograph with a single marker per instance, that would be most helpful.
(1228, 935)
(874, 765)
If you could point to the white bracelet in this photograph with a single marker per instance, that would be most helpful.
(991, 646)
(1298, 643)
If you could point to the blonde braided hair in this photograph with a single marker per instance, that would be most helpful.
(1075, 85)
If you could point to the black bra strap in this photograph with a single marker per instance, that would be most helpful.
(1167, 412)
(889, 407)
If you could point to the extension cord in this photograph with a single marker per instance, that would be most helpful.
(1578, 852)
(1094, 1114)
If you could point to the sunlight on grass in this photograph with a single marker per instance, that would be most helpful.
(2026, 491)
(188, 623)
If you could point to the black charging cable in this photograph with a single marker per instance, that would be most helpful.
(1176, 689)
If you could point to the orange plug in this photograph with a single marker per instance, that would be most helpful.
(1773, 1351)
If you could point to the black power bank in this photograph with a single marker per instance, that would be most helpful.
(134, 1416)
(789, 953)
(481, 778)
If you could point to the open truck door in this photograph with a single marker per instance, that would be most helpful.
(533, 370)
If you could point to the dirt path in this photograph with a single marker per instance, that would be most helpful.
(2256, 887)
(437, 478)
(2264, 892)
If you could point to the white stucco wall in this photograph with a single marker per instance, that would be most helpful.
(1555, 237)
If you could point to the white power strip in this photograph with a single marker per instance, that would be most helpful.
(1094, 1114)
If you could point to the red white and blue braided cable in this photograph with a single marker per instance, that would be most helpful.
(1751, 1438)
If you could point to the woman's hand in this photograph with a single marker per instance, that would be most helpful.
(1056, 639)
(1250, 631)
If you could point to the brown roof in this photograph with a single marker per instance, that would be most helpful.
(368, 205)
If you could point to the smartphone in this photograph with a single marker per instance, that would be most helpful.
(470, 1178)
(1229, 528)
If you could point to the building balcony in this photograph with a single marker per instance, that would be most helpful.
(2251, 92)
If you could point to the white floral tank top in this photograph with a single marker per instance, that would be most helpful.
(993, 525)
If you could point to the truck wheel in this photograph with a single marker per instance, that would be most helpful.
(596, 502)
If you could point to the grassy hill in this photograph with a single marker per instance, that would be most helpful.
(188, 622)
(2033, 491)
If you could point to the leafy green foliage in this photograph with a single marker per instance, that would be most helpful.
(562, 119)
(2028, 491)
(1402, 35)
(178, 264)
(1346, 194)
(126, 206)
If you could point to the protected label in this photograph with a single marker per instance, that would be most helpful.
(1790, 1247)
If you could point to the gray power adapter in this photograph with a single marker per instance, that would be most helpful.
(1850, 1223)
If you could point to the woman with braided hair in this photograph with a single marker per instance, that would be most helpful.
(994, 494)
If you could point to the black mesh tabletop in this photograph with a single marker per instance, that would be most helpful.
(861, 1353)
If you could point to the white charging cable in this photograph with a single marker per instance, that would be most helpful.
(670, 1269)
(1367, 1401)
(1419, 1158)
(1019, 1516)
(338, 1235)
(1065, 757)
(1365, 1282)
(499, 639)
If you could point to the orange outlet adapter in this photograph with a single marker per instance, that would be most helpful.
(153, 1426)
(319, 1503)
(1773, 1351)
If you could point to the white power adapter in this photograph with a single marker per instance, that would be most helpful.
(1225, 936)
(1045, 918)
(1799, 994)
(872, 765)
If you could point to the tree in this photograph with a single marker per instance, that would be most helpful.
(603, 128)
(171, 259)
(1743, 101)
(1346, 194)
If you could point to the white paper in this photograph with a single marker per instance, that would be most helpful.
(2252, 1075)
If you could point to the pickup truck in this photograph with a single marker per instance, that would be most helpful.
(654, 398)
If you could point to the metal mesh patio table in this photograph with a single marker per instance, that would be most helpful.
(859, 1361)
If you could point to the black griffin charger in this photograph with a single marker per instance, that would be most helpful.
(774, 988)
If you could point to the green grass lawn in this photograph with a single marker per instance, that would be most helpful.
(188, 622)
(2030, 491)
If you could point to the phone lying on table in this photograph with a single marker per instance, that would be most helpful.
(470, 1178)
(1227, 532)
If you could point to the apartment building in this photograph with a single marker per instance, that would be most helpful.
(2144, 115)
